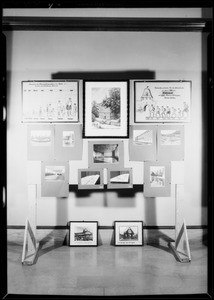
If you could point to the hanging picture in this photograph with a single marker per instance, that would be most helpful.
(68, 142)
(170, 140)
(128, 233)
(54, 179)
(40, 142)
(50, 101)
(162, 101)
(90, 179)
(157, 179)
(105, 109)
(142, 143)
(105, 154)
(119, 179)
(83, 233)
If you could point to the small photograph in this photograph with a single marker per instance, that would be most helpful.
(40, 138)
(68, 138)
(106, 153)
(142, 137)
(157, 176)
(119, 177)
(170, 138)
(83, 233)
(56, 173)
(90, 177)
(128, 233)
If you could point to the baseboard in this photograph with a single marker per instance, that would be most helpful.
(110, 227)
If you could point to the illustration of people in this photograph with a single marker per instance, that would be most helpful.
(168, 112)
(151, 111)
(146, 93)
(69, 108)
(173, 112)
(49, 111)
(179, 113)
(59, 110)
(158, 112)
(185, 110)
(74, 109)
(163, 112)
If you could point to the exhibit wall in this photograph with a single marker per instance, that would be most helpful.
(41, 55)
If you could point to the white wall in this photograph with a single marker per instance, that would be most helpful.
(37, 55)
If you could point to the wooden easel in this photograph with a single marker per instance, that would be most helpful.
(180, 247)
(30, 245)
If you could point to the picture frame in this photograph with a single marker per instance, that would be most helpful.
(121, 178)
(157, 179)
(162, 101)
(89, 179)
(142, 142)
(47, 101)
(170, 142)
(83, 233)
(55, 179)
(128, 233)
(105, 154)
(105, 106)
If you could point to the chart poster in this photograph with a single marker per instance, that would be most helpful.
(162, 101)
(50, 101)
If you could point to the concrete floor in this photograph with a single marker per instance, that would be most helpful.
(106, 269)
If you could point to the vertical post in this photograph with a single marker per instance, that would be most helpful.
(179, 196)
(32, 213)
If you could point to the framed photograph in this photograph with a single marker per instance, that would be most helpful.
(50, 101)
(128, 233)
(83, 233)
(157, 179)
(119, 179)
(142, 143)
(54, 179)
(105, 154)
(170, 140)
(40, 142)
(68, 143)
(105, 109)
(90, 179)
(162, 101)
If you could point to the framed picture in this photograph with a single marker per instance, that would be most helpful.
(50, 101)
(142, 143)
(40, 142)
(157, 179)
(90, 179)
(162, 101)
(170, 140)
(83, 233)
(119, 179)
(105, 154)
(68, 142)
(128, 233)
(105, 109)
(54, 179)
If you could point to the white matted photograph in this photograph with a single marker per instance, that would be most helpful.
(105, 109)
(82, 233)
(128, 233)
(119, 179)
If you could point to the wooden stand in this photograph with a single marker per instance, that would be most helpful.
(30, 245)
(180, 247)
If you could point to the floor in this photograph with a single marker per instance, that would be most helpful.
(107, 270)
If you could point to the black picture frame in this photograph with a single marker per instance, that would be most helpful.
(123, 238)
(86, 235)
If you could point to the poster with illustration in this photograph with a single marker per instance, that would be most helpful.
(162, 101)
(50, 101)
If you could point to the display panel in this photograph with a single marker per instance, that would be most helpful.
(50, 101)
(83, 233)
(162, 101)
(128, 233)
(105, 109)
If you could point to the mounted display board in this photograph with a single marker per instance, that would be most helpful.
(162, 101)
(50, 101)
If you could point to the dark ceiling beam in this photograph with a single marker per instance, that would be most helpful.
(105, 24)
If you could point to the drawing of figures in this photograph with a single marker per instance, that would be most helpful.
(173, 113)
(147, 95)
(179, 113)
(49, 111)
(151, 111)
(69, 107)
(185, 110)
(59, 110)
(163, 112)
(74, 109)
(158, 112)
(168, 112)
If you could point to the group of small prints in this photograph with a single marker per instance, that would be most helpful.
(126, 233)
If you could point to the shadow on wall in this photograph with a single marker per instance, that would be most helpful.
(118, 75)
